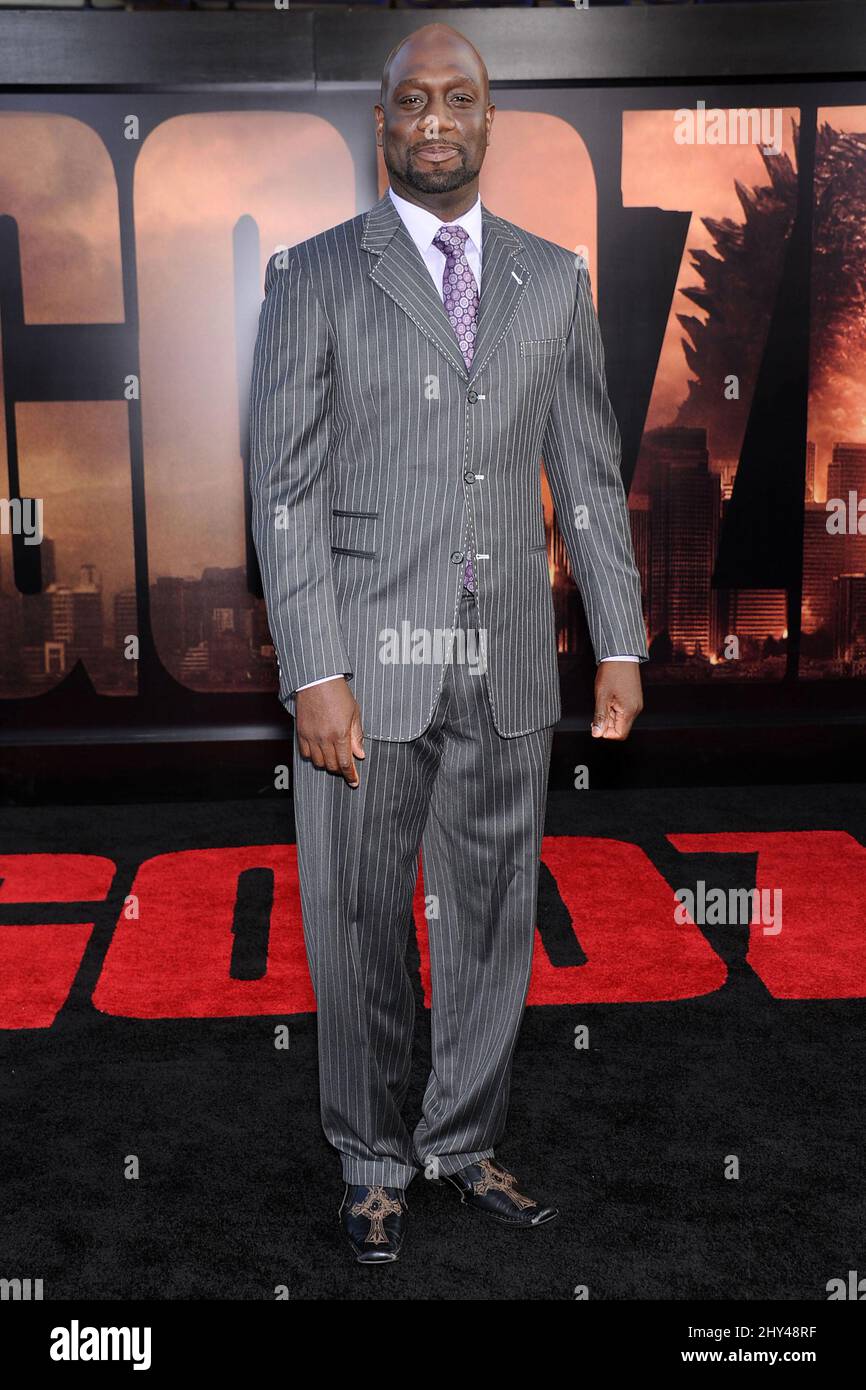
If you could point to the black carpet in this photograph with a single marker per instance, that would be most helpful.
(238, 1190)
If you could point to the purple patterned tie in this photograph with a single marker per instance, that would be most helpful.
(460, 294)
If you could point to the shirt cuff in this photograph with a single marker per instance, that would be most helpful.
(321, 681)
(619, 658)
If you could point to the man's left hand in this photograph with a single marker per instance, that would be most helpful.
(618, 699)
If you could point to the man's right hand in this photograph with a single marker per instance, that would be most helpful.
(328, 726)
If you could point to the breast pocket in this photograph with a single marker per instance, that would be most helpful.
(354, 532)
(541, 347)
(538, 366)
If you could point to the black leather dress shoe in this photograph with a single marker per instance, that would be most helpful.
(486, 1187)
(374, 1219)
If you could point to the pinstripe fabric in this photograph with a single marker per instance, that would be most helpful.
(375, 456)
(475, 803)
(377, 459)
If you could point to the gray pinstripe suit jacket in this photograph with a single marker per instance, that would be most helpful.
(375, 456)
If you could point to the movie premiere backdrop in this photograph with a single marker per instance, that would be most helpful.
(724, 231)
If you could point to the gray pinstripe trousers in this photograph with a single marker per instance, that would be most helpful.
(474, 802)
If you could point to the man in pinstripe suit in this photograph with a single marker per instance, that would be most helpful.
(411, 367)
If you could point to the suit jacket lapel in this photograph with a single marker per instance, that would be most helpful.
(504, 278)
(398, 268)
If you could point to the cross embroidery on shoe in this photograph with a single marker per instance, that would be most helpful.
(376, 1205)
(499, 1180)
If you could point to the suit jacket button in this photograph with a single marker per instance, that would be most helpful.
(456, 557)
(469, 476)
(472, 396)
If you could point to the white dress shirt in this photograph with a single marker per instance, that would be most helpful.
(422, 227)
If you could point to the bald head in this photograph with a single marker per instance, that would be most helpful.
(434, 42)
